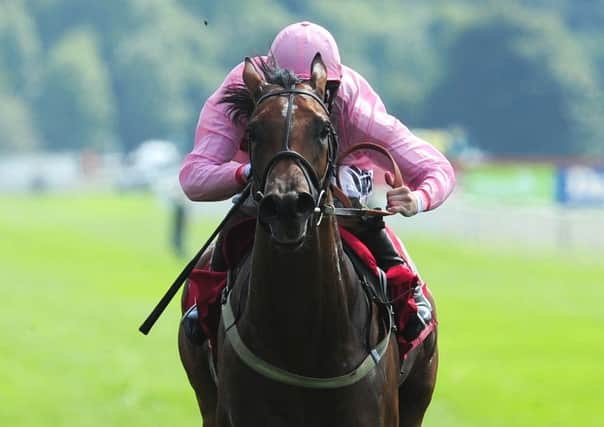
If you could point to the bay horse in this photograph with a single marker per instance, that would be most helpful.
(300, 343)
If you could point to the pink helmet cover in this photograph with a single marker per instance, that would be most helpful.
(297, 44)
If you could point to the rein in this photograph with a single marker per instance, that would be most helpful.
(348, 210)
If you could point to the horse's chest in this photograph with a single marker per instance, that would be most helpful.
(250, 401)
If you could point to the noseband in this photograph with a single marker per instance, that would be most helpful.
(318, 185)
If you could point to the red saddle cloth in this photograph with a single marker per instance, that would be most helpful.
(204, 286)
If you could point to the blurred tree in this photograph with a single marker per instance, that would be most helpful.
(519, 85)
(155, 75)
(397, 46)
(585, 15)
(75, 107)
(203, 10)
(149, 90)
(109, 18)
(164, 71)
(142, 68)
(246, 29)
(19, 50)
(16, 126)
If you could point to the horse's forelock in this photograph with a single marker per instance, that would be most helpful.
(240, 104)
(278, 76)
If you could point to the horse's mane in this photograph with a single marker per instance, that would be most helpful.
(240, 104)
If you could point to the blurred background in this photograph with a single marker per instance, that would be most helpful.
(98, 106)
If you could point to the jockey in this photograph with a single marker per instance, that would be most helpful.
(216, 169)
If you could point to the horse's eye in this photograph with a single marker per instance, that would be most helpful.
(325, 130)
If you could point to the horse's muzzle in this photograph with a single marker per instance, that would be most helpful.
(286, 215)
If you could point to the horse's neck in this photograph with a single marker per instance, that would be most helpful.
(309, 296)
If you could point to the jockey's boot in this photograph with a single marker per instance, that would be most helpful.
(190, 320)
(424, 315)
(191, 328)
(375, 237)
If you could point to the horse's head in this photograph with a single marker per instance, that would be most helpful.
(292, 147)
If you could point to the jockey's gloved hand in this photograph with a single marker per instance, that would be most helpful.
(243, 173)
(401, 199)
(247, 170)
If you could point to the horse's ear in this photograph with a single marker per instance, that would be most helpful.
(318, 73)
(252, 78)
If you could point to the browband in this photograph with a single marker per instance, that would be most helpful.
(295, 92)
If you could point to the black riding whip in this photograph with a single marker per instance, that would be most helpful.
(184, 274)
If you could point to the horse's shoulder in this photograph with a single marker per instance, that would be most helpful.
(238, 278)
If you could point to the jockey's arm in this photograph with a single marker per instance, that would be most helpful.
(209, 172)
(427, 172)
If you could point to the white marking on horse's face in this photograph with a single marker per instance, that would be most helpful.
(284, 110)
(281, 183)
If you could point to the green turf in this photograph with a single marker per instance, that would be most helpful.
(521, 336)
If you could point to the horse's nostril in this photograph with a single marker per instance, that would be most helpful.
(289, 205)
(305, 204)
(269, 207)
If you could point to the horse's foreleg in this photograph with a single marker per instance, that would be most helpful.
(195, 361)
(415, 394)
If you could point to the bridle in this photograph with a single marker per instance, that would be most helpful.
(317, 184)
(318, 187)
